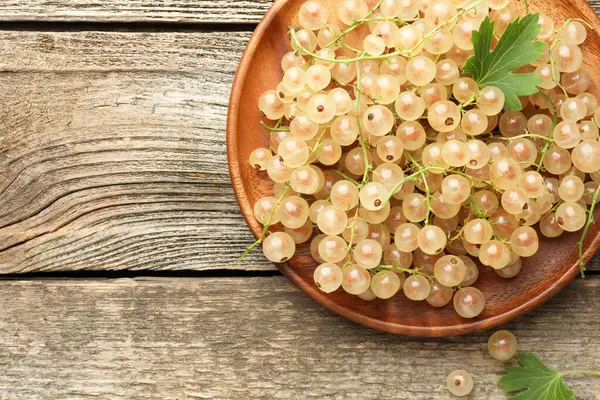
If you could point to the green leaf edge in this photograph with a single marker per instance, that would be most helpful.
(529, 359)
(482, 45)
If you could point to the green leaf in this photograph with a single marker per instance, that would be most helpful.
(537, 381)
(515, 48)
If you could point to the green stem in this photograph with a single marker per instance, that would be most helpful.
(405, 53)
(407, 270)
(589, 222)
(270, 218)
(467, 103)
(454, 171)
(554, 123)
(268, 221)
(424, 177)
(351, 227)
(267, 224)
(579, 372)
(478, 212)
(355, 24)
(498, 238)
(345, 176)
(247, 251)
(554, 43)
(347, 46)
(317, 144)
(361, 138)
(362, 93)
(275, 128)
(458, 234)
(411, 177)
(398, 21)
(583, 21)
(526, 136)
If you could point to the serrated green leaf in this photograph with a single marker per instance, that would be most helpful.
(537, 381)
(515, 48)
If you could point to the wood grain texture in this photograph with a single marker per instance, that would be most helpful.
(112, 152)
(174, 11)
(253, 338)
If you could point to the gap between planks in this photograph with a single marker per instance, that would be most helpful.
(180, 274)
(141, 26)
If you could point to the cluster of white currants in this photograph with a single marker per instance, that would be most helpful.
(404, 168)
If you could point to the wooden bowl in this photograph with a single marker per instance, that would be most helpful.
(542, 276)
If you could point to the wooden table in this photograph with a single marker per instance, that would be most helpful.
(119, 231)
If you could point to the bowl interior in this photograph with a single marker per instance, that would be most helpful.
(542, 276)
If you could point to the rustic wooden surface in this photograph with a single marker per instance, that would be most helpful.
(112, 156)
(180, 11)
(234, 338)
(128, 130)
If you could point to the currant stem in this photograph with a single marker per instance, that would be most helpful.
(317, 144)
(478, 212)
(589, 222)
(427, 193)
(406, 53)
(345, 176)
(357, 23)
(526, 136)
(267, 224)
(407, 270)
(351, 227)
(411, 177)
(579, 372)
(347, 46)
(458, 234)
(275, 128)
(467, 103)
(554, 123)
(454, 171)
(554, 43)
(247, 251)
(361, 138)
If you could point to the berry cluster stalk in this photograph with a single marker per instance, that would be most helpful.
(589, 222)
(405, 53)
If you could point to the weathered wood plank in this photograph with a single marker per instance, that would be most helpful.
(112, 152)
(175, 11)
(252, 338)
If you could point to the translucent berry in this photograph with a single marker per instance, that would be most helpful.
(469, 302)
(385, 284)
(450, 270)
(355, 279)
(502, 345)
(279, 247)
(416, 287)
(459, 382)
